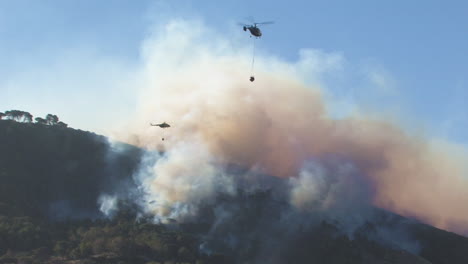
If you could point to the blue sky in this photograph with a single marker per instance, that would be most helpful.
(53, 53)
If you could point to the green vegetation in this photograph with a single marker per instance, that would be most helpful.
(121, 240)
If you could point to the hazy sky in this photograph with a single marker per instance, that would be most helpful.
(77, 58)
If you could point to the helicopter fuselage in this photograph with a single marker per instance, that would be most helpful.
(255, 31)
(162, 125)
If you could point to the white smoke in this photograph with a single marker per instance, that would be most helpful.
(179, 181)
(274, 126)
(108, 204)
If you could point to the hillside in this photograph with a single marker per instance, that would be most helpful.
(51, 179)
(59, 172)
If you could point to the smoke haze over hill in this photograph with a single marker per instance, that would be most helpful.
(280, 126)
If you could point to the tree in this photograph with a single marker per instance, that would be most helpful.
(40, 120)
(52, 119)
(14, 114)
(27, 117)
(19, 116)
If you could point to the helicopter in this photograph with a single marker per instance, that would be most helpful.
(257, 33)
(254, 30)
(162, 125)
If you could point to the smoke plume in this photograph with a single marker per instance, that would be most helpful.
(278, 126)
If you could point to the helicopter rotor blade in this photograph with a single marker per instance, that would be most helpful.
(265, 23)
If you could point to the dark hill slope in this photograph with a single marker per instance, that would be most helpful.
(256, 227)
(58, 172)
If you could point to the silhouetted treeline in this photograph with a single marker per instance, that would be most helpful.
(26, 117)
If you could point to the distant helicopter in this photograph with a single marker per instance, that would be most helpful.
(254, 30)
(162, 125)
